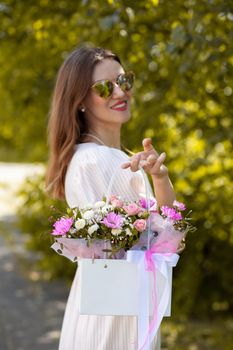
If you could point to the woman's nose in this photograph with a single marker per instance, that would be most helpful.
(117, 92)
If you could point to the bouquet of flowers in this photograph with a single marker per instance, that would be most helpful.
(117, 226)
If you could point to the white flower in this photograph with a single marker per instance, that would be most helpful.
(127, 220)
(92, 229)
(128, 232)
(98, 218)
(116, 231)
(99, 204)
(89, 214)
(106, 209)
(79, 224)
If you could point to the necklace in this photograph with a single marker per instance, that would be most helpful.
(97, 139)
(123, 148)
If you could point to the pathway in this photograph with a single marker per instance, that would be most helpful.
(30, 311)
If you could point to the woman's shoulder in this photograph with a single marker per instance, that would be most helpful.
(91, 153)
(91, 171)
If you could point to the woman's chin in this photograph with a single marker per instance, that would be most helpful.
(127, 119)
(125, 116)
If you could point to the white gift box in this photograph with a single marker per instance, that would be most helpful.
(112, 287)
(108, 287)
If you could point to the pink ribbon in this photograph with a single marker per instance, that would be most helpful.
(150, 266)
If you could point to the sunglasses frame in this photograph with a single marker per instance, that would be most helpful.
(108, 85)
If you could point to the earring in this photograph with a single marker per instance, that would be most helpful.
(82, 109)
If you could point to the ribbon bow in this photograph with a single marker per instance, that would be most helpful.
(151, 262)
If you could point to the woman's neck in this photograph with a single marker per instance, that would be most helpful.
(105, 137)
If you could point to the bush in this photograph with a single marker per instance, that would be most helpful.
(33, 219)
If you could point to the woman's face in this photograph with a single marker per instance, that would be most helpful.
(113, 111)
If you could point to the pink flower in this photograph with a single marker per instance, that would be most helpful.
(132, 209)
(171, 213)
(112, 197)
(113, 220)
(62, 226)
(143, 203)
(117, 203)
(179, 205)
(140, 225)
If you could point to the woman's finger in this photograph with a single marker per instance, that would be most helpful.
(135, 163)
(125, 165)
(148, 147)
(148, 163)
(159, 163)
(147, 144)
(161, 158)
(152, 158)
(143, 163)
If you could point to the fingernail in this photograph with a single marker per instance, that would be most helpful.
(162, 157)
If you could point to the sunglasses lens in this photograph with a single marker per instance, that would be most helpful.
(125, 81)
(103, 88)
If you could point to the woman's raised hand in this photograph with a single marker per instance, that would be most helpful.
(149, 160)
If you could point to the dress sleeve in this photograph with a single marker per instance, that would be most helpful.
(90, 172)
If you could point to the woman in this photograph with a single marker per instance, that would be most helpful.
(91, 102)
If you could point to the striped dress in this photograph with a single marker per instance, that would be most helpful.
(86, 182)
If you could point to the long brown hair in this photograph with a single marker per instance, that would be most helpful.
(66, 120)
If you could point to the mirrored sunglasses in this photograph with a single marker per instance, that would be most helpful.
(104, 88)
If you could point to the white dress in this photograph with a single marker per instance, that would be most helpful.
(87, 180)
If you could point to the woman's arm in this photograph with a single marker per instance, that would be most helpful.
(163, 190)
(152, 163)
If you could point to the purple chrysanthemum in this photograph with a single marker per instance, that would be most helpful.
(143, 203)
(62, 226)
(179, 205)
(171, 213)
(113, 220)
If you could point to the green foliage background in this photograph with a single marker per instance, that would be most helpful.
(182, 55)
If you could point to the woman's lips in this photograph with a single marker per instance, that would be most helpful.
(120, 106)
